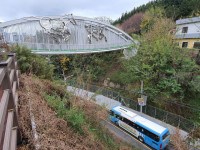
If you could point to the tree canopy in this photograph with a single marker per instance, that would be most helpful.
(165, 68)
(32, 63)
(173, 9)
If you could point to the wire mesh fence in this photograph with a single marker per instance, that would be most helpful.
(168, 117)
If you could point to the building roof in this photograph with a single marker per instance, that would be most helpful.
(188, 36)
(188, 20)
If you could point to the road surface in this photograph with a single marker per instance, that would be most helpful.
(105, 101)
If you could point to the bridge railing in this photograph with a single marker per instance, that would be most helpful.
(73, 47)
(9, 83)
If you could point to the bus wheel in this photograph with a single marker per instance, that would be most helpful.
(140, 139)
(117, 124)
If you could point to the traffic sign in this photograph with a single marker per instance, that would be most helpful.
(144, 98)
(141, 101)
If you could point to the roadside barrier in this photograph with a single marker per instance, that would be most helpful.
(9, 83)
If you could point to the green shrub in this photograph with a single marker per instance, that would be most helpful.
(76, 118)
(32, 63)
(74, 115)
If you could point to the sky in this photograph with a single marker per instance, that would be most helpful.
(113, 9)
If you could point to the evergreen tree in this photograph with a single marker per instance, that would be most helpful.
(173, 9)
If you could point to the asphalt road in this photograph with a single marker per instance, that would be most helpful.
(100, 100)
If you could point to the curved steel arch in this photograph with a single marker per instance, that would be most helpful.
(65, 34)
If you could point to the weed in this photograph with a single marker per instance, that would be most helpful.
(74, 115)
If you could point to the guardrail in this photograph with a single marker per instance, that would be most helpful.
(9, 83)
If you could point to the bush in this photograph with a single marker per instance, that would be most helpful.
(32, 63)
(74, 115)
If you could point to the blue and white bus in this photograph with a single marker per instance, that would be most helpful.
(145, 130)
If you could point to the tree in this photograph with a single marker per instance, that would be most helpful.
(132, 25)
(3, 45)
(3, 48)
(195, 5)
(172, 8)
(64, 60)
(32, 63)
(165, 68)
(150, 17)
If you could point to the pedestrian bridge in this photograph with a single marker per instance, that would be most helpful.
(65, 34)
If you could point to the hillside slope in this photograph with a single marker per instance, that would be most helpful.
(55, 131)
(173, 9)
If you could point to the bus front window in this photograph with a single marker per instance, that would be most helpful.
(111, 113)
(165, 135)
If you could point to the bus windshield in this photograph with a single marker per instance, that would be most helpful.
(165, 135)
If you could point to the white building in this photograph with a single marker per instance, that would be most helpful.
(188, 32)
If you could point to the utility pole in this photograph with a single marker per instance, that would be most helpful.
(141, 94)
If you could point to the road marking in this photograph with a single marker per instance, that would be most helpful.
(126, 133)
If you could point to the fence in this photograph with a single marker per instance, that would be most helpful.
(9, 82)
(168, 117)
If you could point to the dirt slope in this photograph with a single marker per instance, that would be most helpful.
(53, 133)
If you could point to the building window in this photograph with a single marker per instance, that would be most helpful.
(196, 45)
(184, 29)
(184, 44)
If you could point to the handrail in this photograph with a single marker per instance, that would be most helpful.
(3, 109)
(9, 82)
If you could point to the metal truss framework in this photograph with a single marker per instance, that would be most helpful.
(64, 35)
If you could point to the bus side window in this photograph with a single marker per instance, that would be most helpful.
(138, 128)
(133, 125)
(118, 117)
(142, 130)
(153, 136)
(148, 133)
(111, 113)
(130, 123)
(126, 121)
(157, 138)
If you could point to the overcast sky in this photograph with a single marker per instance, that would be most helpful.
(15, 9)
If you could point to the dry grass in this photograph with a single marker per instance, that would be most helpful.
(177, 141)
(54, 133)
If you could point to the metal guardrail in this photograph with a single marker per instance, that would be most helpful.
(168, 117)
(9, 82)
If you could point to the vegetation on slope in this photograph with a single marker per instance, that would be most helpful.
(172, 8)
(32, 63)
(165, 68)
(93, 66)
(63, 121)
